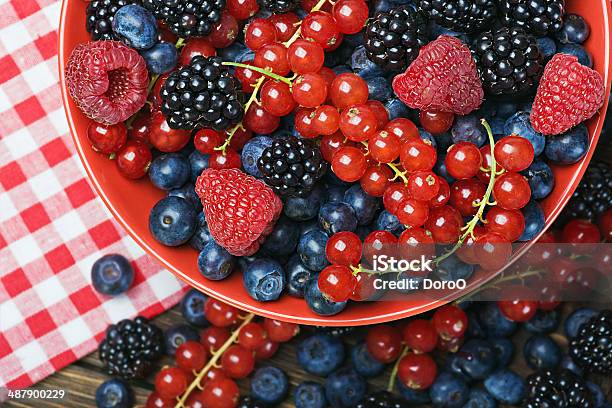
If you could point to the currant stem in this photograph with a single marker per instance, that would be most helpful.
(482, 204)
(392, 166)
(260, 70)
(297, 33)
(216, 355)
(492, 285)
(393, 376)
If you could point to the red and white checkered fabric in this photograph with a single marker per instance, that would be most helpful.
(52, 225)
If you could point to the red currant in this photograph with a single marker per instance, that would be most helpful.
(417, 371)
(384, 146)
(358, 123)
(423, 185)
(365, 288)
(164, 138)
(450, 321)
(519, 305)
(330, 144)
(320, 27)
(605, 225)
(241, 136)
(443, 195)
(417, 155)
(337, 282)
(220, 314)
(384, 343)
(134, 159)
(492, 251)
(285, 25)
(214, 337)
(170, 382)
(281, 332)
(196, 46)
(412, 213)
(403, 128)
(465, 194)
(221, 393)
(274, 57)
(305, 57)
(237, 361)
(348, 89)
(276, 98)
(107, 139)
(141, 127)
(229, 160)
(326, 120)
(343, 248)
(450, 345)
(252, 336)
(484, 176)
(436, 123)
(420, 336)
(507, 223)
(266, 351)
(157, 401)
(375, 180)
(258, 33)
(309, 90)
(514, 153)
(349, 164)
(378, 242)
(304, 123)
(260, 121)
(224, 33)
(382, 116)
(394, 195)
(191, 356)
(445, 224)
(463, 160)
(350, 15)
(466, 252)
(580, 232)
(511, 191)
(205, 140)
(247, 77)
(242, 9)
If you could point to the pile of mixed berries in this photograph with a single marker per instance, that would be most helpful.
(294, 136)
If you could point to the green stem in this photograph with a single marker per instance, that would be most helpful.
(393, 376)
(263, 71)
(482, 204)
(398, 173)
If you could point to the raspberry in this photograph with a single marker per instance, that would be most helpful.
(240, 210)
(443, 78)
(107, 80)
(569, 93)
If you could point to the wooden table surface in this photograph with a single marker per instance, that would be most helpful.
(81, 378)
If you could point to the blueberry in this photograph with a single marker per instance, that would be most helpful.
(177, 335)
(584, 57)
(160, 58)
(568, 364)
(479, 398)
(449, 391)
(192, 308)
(354, 39)
(363, 231)
(497, 126)
(453, 268)
(311, 249)
(283, 239)
(379, 88)
(136, 26)
(598, 395)
(264, 279)
(505, 109)
(340, 55)
(114, 393)
(493, 322)
(331, 179)
(320, 354)
(309, 394)
(252, 151)
(519, 124)
(307, 226)
(214, 262)
(364, 363)
(547, 46)
(576, 319)
(541, 352)
(364, 206)
(269, 385)
(544, 321)
(336, 217)
(112, 275)
(237, 52)
(541, 179)
(412, 397)
(436, 30)
(345, 388)
(443, 142)
(202, 234)
(297, 276)
(319, 303)
(342, 69)
(388, 222)
(198, 162)
(575, 30)
(362, 66)
(172, 221)
(187, 192)
(569, 147)
(469, 129)
(305, 208)
(428, 137)
(475, 360)
(396, 109)
(474, 328)
(504, 350)
(335, 194)
(534, 221)
(506, 386)
(440, 168)
(169, 171)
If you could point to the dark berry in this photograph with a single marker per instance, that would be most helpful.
(462, 16)
(112, 274)
(593, 195)
(557, 389)
(187, 18)
(537, 17)
(114, 393)
(100, 15)
(591, 349)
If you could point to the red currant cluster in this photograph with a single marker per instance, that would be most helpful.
(410, 345)
(206, 371)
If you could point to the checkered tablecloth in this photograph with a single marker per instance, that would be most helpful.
(52, 225)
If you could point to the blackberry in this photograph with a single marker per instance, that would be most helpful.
(203, 94)
(393, 39)
(100, 15)
(280, 6)
(248, 402)
(593, 195)
(563, 389)
(130, 348)
(537, 17)
(382, 399)
(509, 61)
(336, 331)
(591, 349)
(291, 166)
(464, 16)
(187, 18)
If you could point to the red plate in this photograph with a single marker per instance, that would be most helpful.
(118, 193)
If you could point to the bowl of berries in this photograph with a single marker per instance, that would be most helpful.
(262, 150)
